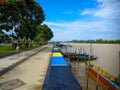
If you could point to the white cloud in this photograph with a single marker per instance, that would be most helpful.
(87, 12)
(105, 25)
(83, 30)
(108, 9)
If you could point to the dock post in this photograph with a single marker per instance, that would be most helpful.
(119, 71)
(97, 80)
(87, 81)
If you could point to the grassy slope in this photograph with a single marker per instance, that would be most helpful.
(6, 50)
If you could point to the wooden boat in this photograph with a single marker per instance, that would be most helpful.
(103, 76)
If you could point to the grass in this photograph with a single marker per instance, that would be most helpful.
(6, 50)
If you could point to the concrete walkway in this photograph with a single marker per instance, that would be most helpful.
(29, 75)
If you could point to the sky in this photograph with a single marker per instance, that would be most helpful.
(82, 19)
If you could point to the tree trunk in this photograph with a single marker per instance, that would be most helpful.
(26, 43)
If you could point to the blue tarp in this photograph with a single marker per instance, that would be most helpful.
(61, 78)
(60, 45)
(55, 50)
(58, 61)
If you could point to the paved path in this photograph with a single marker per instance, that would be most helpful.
(8, 61)
(28, 75)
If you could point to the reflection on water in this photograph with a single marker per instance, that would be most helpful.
(108, 55)
(108, 60)
(78, 68)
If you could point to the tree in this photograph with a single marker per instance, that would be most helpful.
(8, 16)
(22, 16)
(35, 16)
(4, 38)
(44, 33)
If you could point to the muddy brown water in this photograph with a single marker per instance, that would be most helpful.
(108, 60)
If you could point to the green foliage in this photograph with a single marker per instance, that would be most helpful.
(28, 23)
(97, 41)
(7, 16)
(4, 38)
(24, 17)
(44, 32)
(35, 12)
(6, 50)
(16, 14)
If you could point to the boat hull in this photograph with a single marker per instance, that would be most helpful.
(109, 83)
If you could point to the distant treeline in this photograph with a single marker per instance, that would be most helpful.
(97, 41)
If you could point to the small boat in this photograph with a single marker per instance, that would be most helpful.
(80, 57)
(60, 45)
(86, 57)
(103, 76)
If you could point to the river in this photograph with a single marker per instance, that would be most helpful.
(108, 55)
